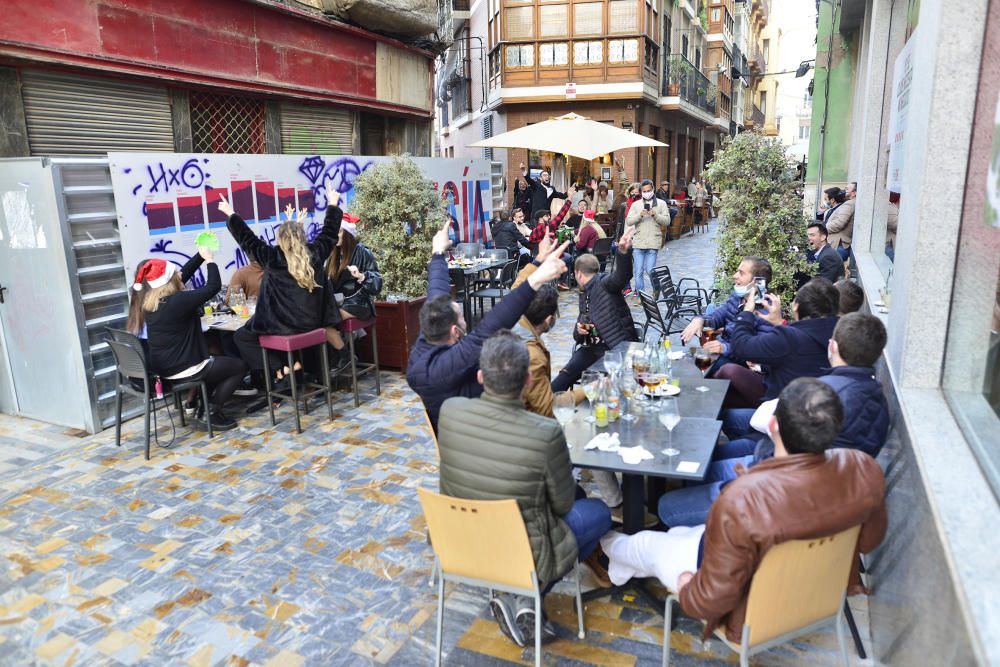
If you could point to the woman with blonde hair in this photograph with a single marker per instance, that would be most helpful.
(177, 347)
(292, 298)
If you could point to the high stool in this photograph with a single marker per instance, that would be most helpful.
(289, 344)
(348, 327)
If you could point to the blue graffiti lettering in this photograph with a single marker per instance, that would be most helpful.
(190, 175)
(338, 176)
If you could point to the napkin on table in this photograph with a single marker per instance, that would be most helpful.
(634, 455)
(606, 442)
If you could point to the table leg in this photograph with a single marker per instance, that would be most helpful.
(633, 509)
(466, 301)
(655, 488)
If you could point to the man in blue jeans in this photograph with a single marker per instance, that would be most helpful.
(492, 448)
(650, 217)
(856, 345)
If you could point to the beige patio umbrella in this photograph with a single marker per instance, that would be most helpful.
(571, 134)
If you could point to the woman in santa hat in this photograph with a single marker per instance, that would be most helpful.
(177, 347)
(355, 282)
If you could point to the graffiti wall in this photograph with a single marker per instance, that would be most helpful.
(164, 200)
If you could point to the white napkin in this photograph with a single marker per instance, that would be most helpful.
(674, 356)
(606, 442)
(634, 455)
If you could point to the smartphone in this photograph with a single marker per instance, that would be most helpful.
(761, 284)
(647, 205)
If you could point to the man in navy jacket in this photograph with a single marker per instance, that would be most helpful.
(444, 360)
(857, 343)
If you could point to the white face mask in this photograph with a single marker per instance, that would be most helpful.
(648, 195)
(741, 290)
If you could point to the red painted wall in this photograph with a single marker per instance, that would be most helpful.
(222, 42)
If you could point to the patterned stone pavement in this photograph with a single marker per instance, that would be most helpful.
(266, 547)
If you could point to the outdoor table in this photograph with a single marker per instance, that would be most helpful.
(466, 274)
(694, 437)
(228, 323)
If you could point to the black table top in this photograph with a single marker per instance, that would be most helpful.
(478, 267)
(695, 439)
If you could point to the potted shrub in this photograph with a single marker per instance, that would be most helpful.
(761, 213)
(400, 212)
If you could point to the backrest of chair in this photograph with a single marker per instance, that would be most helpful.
(123, 336)
(479, 539)
(497, 253)
(662, 279)
(798, 583)
(650, 308)
(509, 273)
(602, 246)
(128, 358)
(468, 250)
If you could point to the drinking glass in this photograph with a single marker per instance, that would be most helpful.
(704, 360)
(613, 361)
(591, 382)
(670, 416)
(563, 406)
(640, 368)
(629, 390)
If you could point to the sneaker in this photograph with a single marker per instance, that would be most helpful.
(189, 409)
(245, 389)
(503, 617)
(525, 622)
(627, 291)
(220, 422)
(563, 286)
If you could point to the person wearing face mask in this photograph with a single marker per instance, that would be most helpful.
(650, 218)
(856, 345)
(444, 360)
(750, 268)
(542, 192)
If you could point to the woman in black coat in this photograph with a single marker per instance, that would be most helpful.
(522, 198)
(354, 282)
(291, 300)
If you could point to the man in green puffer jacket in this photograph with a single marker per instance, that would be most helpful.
(492, 448)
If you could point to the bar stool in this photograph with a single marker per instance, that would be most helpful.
(293, 343)
(348, 327)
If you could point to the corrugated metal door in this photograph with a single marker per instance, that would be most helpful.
(69, 114)
(316, 130)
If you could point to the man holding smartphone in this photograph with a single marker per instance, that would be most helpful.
(649, 217)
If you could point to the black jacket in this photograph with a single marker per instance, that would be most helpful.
(601, 299)
(522, 200)
(358, 297)
(173, 330)
(505, 235)
(282, 306)
(438, 372)
(831, 266)
(541, 199)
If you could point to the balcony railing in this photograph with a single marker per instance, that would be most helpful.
(460, 99)
(757, 117)
(681, 78)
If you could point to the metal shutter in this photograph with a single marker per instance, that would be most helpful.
(315, 130)
(68, 114)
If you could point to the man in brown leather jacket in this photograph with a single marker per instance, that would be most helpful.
(807, 490)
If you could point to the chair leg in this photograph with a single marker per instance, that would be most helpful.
(208, 409)
(842, 640)
(354, 371)
(146, 423)
(538, 627)
(581, 633)
(858, 644)
(326, 381)
(440, 614)
(435, 571)
(668, 613)
(295, 392)
(118, 415)
(378, 381)
(179, 406)
(267, 386)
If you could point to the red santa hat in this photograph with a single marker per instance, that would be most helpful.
(588, 215)
(156, 273)
(349, 224)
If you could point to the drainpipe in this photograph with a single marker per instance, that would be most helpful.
(826, 103)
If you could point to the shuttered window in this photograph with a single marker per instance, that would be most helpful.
(68, 114)
(308, 129)
(623, 16)
(587, 18)
(552, 20)
(520, 22)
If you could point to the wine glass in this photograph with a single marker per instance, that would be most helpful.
(640, 368)
(704, 360)
(613, 361)
(629, 389)
(670, 416)
(563, 407)
(591, 382)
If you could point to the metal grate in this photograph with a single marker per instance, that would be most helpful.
(227, 124)
(488, 133)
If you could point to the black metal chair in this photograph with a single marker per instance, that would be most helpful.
(676, 296)
(131, 369)
(666, 325)
(498, 287)
(602, 250)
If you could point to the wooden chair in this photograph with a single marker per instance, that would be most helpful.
(799, 587)
(484, 543)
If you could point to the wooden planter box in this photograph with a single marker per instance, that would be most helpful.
(398, 325)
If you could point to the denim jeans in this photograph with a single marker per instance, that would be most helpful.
(643, 261)
(582, 359)
(688, 506)
(736, 448)
(736, 422)
(589, 519)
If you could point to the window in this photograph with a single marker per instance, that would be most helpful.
(803, 131)
(624, 16)
(495, 69)
(520, 22)
(623, 50)
(587, 19)
(766, 49)
(715, 15)
(587, 53)
(684, 45)
(553, 20)
(521, 56)
(226, 124)
(553, 55)
(763, 101)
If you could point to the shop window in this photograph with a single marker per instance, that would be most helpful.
(587, 18)
(715, 15)
(521, 56)
(587, 53)
(623, 50)
(624, 16)
(226, 124)
(520, 22)
(553, 55)
(552, 20)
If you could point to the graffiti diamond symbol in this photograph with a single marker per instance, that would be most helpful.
(312, 167)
